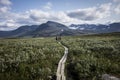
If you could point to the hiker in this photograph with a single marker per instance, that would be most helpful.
(58, 38)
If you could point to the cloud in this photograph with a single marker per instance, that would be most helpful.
(116, 0)
(4, 9)
(33, 16)
(83, 14)
(90, 14)
(117, 9)
(116, 6)
(5, 15)
(48, 6)
(4, 6)
(38, 15)
(11, 20)
(5, 2)
(8, 25)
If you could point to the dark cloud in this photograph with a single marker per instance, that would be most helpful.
(82, 15)
(90, 14)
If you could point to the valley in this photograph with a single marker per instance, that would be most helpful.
(90, 56)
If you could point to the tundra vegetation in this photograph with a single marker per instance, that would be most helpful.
(89, 57)
(92, 56)
(29, 59)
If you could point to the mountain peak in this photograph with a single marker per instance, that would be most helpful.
(50, 22)
(52, 28)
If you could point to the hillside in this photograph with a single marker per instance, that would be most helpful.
(44, 30)
(18, 32)
(51, 28)
(48, 29)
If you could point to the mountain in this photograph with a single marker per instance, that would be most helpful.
(18, 32)
(100, 28)
(51, 28)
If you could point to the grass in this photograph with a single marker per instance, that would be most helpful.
(29, 59)
(91, 56)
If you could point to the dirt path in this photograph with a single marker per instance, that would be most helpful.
(61, 66)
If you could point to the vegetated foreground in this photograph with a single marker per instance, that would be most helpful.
(37, 58)
(29, 59)
(92, 56)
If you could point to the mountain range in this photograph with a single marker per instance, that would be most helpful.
(51, 28)
(99, 28)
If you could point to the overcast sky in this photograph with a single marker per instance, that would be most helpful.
(15, 13)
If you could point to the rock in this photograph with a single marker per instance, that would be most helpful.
(105, 77)
(108, 77)
(113, 78)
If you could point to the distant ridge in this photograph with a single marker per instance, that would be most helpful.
(51, 28)
(100, 28)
